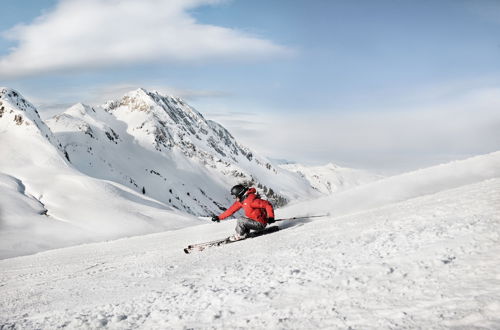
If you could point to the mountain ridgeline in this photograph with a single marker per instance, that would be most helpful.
(160, 147)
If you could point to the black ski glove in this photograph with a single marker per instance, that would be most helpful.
(270, 220)
(215, 218)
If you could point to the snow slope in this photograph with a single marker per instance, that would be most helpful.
(404, 186)
(421, 257)
(25, 226)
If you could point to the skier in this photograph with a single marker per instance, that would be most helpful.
(259, 212)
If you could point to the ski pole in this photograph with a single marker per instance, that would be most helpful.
(303, 217)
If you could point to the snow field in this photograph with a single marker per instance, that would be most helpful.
(429, 262)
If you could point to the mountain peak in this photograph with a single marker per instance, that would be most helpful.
(154, 94)
(79, 110)
(139, 93)
(158, 120)
(16, 109)
(15, 99)
(144, 100)
(20, 120)
(6, 90)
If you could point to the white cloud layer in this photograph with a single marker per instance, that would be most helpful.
(391, 140)
(82, 34)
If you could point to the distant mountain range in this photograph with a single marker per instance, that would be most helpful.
(332, 178)
(161, 146)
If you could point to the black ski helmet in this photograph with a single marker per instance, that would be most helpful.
(238, 190)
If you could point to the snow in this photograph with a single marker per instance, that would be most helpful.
(416, 250)
(421, 257)
(405, 186)
(25, 228)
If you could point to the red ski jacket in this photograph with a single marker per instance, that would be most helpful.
(255, 208)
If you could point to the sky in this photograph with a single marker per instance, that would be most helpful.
(388, 86)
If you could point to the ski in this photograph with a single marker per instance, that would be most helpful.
(203, 246)
(219, 242)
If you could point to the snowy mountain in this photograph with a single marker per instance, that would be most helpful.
(20, 116)
(414, 251)
(140, 164)
(47, 203)
(332, 178)
(162, 147)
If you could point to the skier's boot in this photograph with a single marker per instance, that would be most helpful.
(237, 237)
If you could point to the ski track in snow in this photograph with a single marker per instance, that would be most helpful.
(431, 262)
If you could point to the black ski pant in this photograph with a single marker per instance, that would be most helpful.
(244, 225)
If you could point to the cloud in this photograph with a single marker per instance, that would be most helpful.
(85, 34)
(390, 140)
